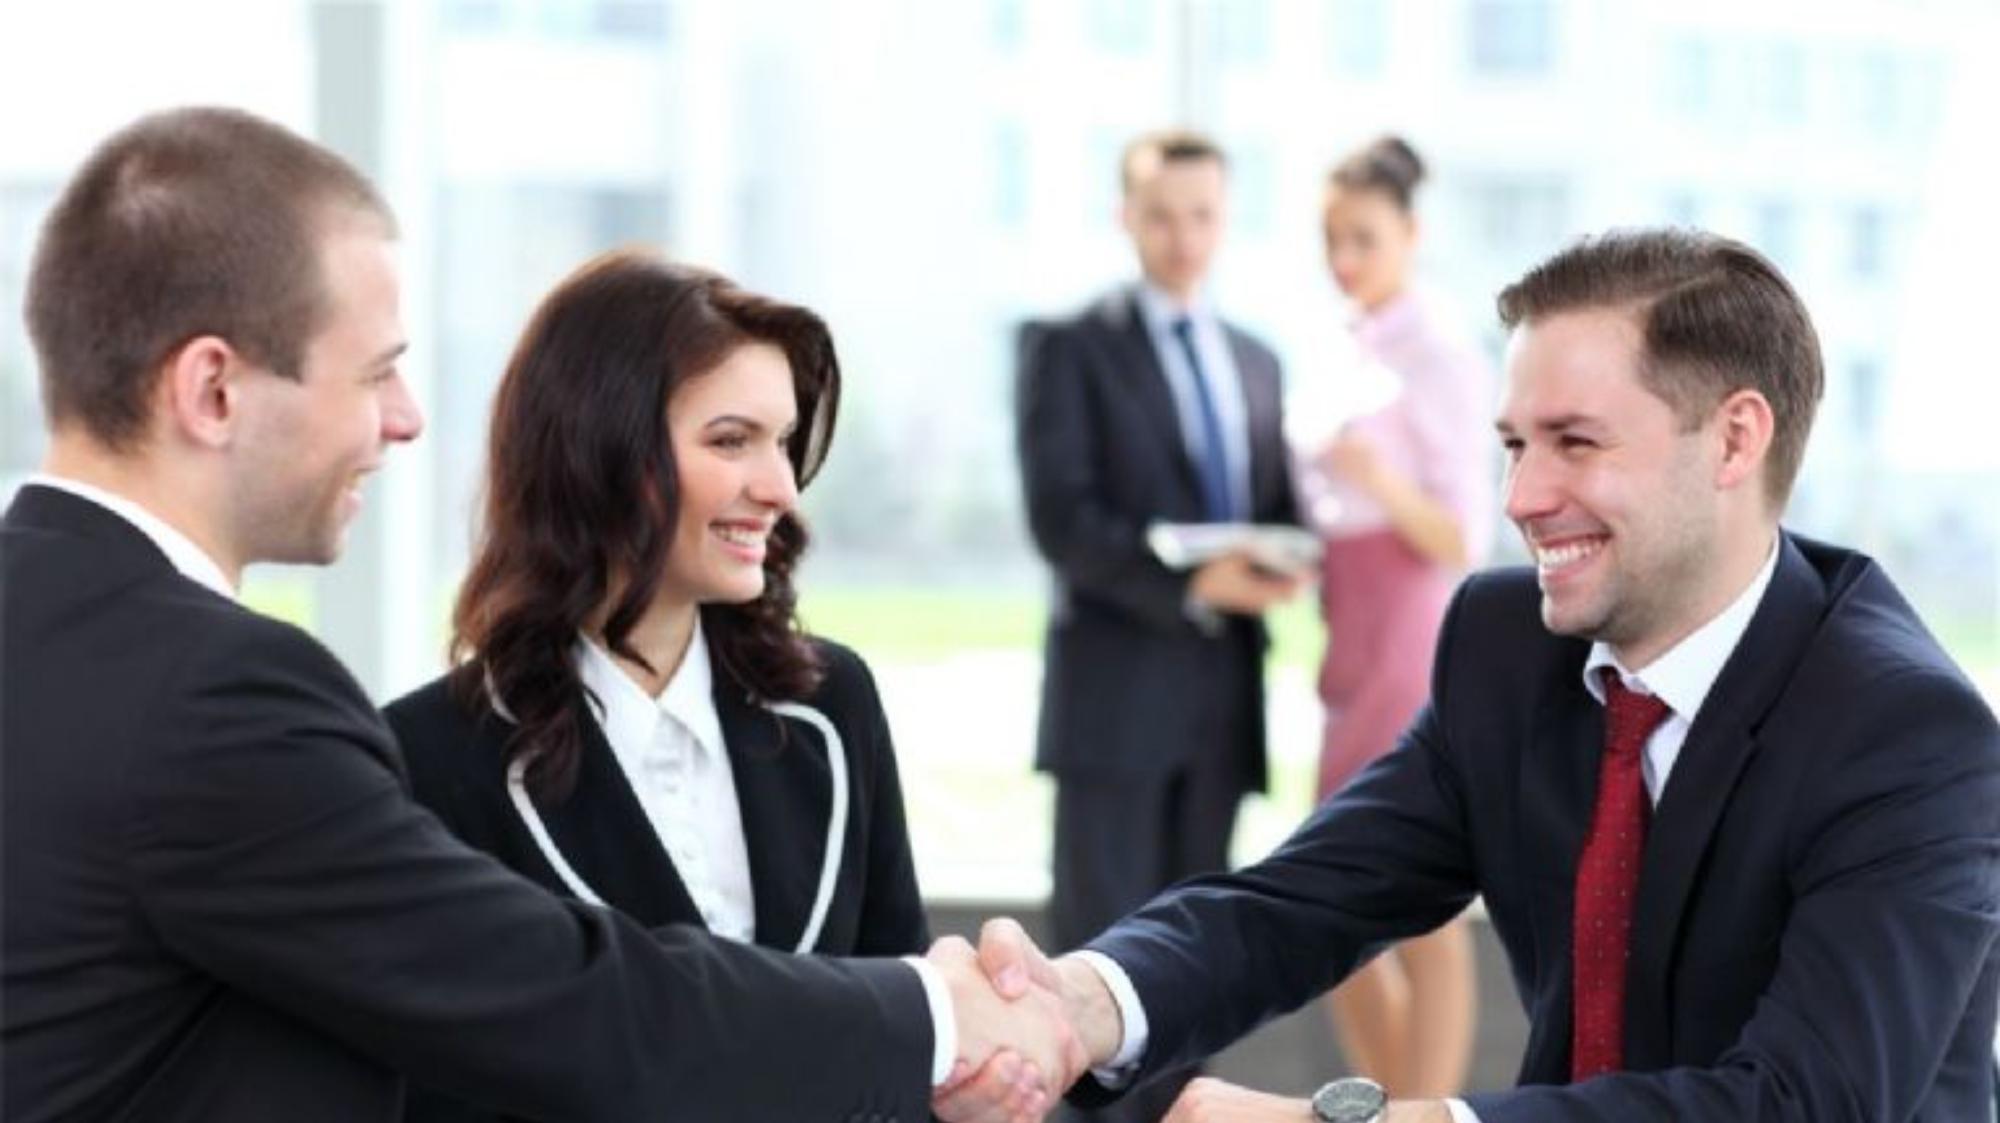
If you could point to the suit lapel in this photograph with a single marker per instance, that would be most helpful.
(1718, 746)
(604, 835)
(1558, 797)
(1260, 416)
(785, 791)
(1137, 366)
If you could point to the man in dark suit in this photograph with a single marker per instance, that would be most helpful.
(1147, 407)
(220, 902)
(1734, 814)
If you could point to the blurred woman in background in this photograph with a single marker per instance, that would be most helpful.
(1411, 496)
(633, 717)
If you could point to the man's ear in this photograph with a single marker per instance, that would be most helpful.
(200, 390)
(1744, 424)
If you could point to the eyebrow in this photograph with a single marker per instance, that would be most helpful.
(390, 355)
(1557, 424)
(741, 419)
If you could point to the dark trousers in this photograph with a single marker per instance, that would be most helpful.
(1120, 840)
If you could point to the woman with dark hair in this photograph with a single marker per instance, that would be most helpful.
(633, 717)
(1404, 507)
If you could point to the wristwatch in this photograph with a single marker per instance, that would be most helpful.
(1351, 1099)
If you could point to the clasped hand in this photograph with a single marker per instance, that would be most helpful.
(1027, 1028)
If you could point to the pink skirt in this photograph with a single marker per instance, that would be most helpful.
(1382, 603)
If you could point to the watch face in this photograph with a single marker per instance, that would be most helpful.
(1353, 1100)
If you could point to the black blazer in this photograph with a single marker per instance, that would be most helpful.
(1102, 458)
(1819, 908)
(784, 788)
(221, 903)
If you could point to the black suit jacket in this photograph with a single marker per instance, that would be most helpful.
(221, 903)
(1815, 932)
(1127, 673)
(783, 787)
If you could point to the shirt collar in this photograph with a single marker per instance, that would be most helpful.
(629, 715)
(1683, 675)
(1161, 310)
(190, 560)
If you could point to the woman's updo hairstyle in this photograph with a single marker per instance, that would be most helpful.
(1388, 165)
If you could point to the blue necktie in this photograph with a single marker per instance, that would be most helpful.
(1214, 459)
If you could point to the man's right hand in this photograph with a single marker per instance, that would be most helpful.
(1235, 582)
(1018, 969)
(1016, 1049)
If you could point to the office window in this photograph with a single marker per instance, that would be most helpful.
(1359, 33)
(1864, 396)
(1122, 27)
(1774, 230)
(1102, 178)
(1781, 84)
(1512, 38)
(1868, 243)
(1520, 217)
(1878, 91)
(558, 19)
(23, 206)
(1682, 208)
(1007, 22)
(1010, 174)
(1243, 32)
(1253, 188)
(1690, 76)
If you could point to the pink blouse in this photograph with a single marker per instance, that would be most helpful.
(1436, 430)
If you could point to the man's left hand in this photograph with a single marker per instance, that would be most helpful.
(1208, 1100)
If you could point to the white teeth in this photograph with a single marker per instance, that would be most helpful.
(737, 536)
(1556, 557)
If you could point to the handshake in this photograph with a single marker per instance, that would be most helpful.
(1028, 1026)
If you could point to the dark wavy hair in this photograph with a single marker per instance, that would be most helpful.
(581, 490)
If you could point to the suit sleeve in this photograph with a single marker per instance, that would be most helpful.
(277, 850)
(1896, 869)
(1385, 859)
(1095, 547)
(1279, 503)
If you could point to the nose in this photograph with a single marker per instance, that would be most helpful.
(774, 484)
(402, 420)
(1530, 487)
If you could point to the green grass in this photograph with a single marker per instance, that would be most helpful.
(285, 596)
(925, 624)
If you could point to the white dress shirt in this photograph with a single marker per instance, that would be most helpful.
(190, 560)
(672, 753)
(1681, 677)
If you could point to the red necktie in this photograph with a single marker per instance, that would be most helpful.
(1607, 879)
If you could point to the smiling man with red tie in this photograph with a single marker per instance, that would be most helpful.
(1734, 814)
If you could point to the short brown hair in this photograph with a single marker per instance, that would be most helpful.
(1170, 146)
(1715, 315)
(581, 488)
(186, 223)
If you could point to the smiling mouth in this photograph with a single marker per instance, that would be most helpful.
(1560, 559)
(743, 537)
